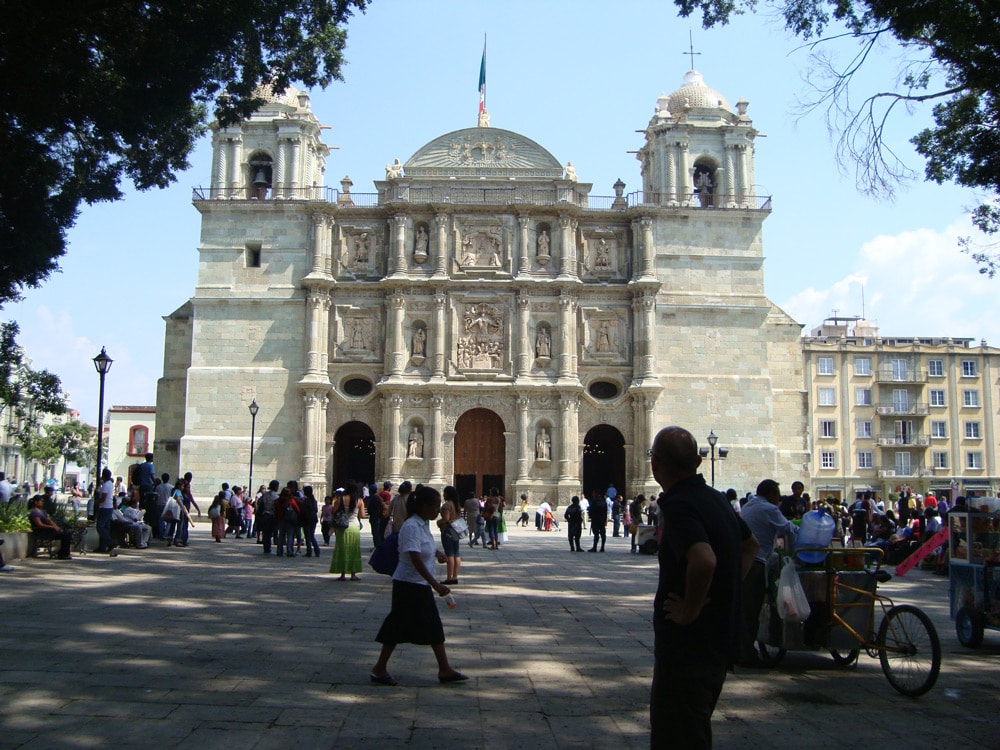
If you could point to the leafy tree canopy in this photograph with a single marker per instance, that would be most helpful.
(28, 393)
(953, 60)
(98, 92)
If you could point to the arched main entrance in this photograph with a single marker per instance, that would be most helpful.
(480, 452)
(354, 454)
(603, 460)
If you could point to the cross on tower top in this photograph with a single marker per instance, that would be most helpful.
(691, 51)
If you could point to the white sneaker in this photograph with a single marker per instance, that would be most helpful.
(7, 568)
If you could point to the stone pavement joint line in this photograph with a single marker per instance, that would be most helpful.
(217, 646)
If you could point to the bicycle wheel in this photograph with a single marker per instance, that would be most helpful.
(845, 658)
(909, 650)
(770, 655)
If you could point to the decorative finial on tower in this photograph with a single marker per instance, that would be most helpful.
(691, 53)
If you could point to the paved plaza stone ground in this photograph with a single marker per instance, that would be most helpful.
(217, 646)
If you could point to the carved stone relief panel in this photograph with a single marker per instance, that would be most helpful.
(482, 245)
(603, 253)
(362, 250)
(482, 342)
(605, 335)
(355, 333)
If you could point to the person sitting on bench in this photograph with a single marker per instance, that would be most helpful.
(44, 527)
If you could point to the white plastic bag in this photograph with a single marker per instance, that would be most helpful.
(792, 603)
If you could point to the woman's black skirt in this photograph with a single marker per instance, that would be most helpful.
(413, 618)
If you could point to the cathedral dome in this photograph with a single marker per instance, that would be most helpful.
(694, 94)
(490, 153)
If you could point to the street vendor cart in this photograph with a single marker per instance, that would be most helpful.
(842, 593)
(974, 573)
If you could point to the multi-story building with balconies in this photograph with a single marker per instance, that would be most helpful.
(481, 319)
(890, 412)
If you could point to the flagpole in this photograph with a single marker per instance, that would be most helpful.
(484, 118)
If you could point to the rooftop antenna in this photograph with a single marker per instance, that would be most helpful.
(691, 51)
(862, 300)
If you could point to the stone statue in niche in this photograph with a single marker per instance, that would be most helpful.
(543, 446)
(415, 444)
(543, 244)
(419, 346)
(602, 259)
(362, 249)
(359, 336)
(604, 337)
(393, 171)
(543, 343)
(420, 245)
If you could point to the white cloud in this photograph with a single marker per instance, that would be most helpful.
(915, 283)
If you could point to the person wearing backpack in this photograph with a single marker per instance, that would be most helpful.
(286, 513)
(347, 552)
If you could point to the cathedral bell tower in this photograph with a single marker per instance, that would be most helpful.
(698, 152)
(276, 153)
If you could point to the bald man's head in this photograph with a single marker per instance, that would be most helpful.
(674, 455)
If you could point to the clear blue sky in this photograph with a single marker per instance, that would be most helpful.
(579, 78)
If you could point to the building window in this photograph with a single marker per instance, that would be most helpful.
(972, 430)
(863, 428)
(970, 398)
(862, 366)
(825, 365)
(968, 368)
(828, 428)
(935, 368)
(939, 429)
(827, 397)
(828, 459)
(904, 467)
(864, 459)
(138, 440)
(862, 396)
(253, 254)
(940, 459)
(974, 460)
(937, 397)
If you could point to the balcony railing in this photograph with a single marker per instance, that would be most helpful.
(891, 441)
(916, 409)
(887, 375)
(487, 196)
(888, 472)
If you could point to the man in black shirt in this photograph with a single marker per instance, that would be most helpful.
(598, 521)
(705, 551)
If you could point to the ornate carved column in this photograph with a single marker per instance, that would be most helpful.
(524, 449)
(567, 336)
(331, 224)
(436, 445)
(235, 158)
(648, 316)
(525, 345)
(742, 174)
(390, 437)
(649, 405)
(279, 175)
(399, 262)
(397, 345)
(685, 190)
(310, 400)
(314, 339)
(671, 181)
(440, 347)
(567, 247)
(320, 243)
(524, 259)
(293, 167)
(648, 247)
(568, 405)
(324, 337)
(221, 167)
(730, 177)
(441, 257)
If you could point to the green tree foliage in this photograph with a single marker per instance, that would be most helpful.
(28, 394)
(952, 59)
(72, 440)
(95, 93)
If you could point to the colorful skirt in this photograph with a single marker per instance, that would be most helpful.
(347, 553)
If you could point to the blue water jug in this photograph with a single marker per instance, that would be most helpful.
(816, 531)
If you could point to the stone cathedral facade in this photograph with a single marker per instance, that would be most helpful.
(481, 319)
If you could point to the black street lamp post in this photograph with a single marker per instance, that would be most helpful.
(102, 362)
(713, 440)
(253, 429)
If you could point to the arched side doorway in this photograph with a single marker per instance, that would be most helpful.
(480, 452)
(354, 454)
(603, 460)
